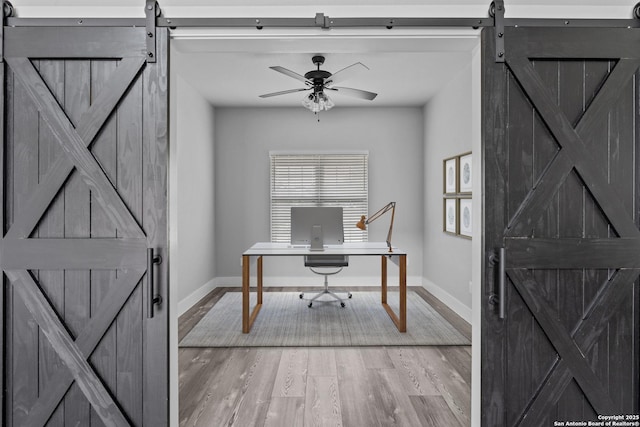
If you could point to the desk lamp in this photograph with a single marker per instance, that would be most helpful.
(362, 224)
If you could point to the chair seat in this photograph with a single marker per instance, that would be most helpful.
(326, 261)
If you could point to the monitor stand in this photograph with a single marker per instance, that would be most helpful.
(317, 242)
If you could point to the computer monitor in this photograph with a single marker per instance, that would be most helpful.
(316, 226)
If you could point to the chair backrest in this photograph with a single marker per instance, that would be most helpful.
(326, 261)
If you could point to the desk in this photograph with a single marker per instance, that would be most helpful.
(260, 250)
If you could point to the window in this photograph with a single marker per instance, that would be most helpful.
(319, 179)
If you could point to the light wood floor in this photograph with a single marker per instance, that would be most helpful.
(328, 386)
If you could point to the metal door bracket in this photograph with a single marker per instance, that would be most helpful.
(7, 12)
(323, 21)
(151, 11)
(496, 11)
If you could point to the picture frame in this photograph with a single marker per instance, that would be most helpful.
(450, 216)
(465, 173)
(465, 214)
(450, 175)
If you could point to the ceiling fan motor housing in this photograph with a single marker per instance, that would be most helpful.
(318, 76)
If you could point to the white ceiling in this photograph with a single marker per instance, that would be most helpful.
(405, 69)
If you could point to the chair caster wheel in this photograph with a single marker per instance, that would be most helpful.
(301, 296)
(310, 304)
(342, 304)
(349, 294)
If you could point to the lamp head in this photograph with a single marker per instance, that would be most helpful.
(362, 225)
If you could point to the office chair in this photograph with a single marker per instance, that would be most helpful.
(326, 265)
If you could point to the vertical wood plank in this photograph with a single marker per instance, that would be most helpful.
(415, 380)
(155, 205)
(595, 224)
(51, 225)
(519, 366)
(571, 224)
(519, 135)
(448, 382)
(287, 411)
(433, 411)
(322, 402)
(103, 148)
(253, 399)
(291, 378)
(217, 396)
(7, 206)
(195, 367)
(355, 389)
(521, 175)
(322, 361)
(545, 148)
(77, 200)
(24, 333)
(494, 156)
(129, 389)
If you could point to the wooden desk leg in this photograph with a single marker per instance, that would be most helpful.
(246, 263)
(401, 321)
(260, 280)
(383, 275)
(402, 327)
(249, 318)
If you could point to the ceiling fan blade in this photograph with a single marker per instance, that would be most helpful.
(347, 72)
(284, 92)
(358, 93)
(290, 73)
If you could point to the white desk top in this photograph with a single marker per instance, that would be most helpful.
(285, 249)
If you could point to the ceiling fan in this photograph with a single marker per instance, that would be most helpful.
(318, 81)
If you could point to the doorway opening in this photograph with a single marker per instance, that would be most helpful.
(428, 109)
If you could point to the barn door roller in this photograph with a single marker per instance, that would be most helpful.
(151, 11)
(7, 11)
(496, 11)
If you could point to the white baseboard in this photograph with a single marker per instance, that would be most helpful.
(195, 296)
(453, 303)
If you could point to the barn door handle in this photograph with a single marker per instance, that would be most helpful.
(500, 298)
(152, 297)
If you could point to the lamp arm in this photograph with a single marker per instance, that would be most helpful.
(390, 206)
(382, 211)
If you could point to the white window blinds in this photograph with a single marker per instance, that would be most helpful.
(334, 179)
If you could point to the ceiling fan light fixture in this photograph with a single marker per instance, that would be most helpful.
(318, 101)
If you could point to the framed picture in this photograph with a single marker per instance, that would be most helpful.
(465, 173)
(450, 175)
(450, 220)
(465, 212)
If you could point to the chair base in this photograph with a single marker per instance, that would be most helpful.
(326, 292)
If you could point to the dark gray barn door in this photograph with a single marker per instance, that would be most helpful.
(84, 197)
(561, 138)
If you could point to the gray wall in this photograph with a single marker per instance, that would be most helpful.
(448, 132)
(243, 139)
(192, 205)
